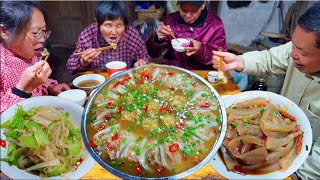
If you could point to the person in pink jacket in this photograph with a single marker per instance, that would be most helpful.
(193, 21)
(23, 31)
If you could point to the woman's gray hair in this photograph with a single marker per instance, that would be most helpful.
(16, 16)
(310, 21)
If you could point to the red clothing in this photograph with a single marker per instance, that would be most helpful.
(130, 48)
(208, 29)
(11, 70)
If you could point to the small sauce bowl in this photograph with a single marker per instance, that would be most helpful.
(213, 76)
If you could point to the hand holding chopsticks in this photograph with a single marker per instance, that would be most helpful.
(113, 46)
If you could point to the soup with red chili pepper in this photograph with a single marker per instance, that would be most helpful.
(154, 121)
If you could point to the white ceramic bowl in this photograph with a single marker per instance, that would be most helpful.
(179, 44)
(88, 77)
(292, 109)
(76, 95)
(115, 66)
(75, 116)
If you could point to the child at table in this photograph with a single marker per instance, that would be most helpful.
(111, 27)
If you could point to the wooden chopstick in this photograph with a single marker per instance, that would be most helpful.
(114, 46)
(174, 37)
(44, 55)
(220, 66)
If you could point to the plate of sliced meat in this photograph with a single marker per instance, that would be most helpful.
(268, 137)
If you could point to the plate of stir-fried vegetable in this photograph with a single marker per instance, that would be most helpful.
(41, 138)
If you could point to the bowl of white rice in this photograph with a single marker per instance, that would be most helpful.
(75, 95)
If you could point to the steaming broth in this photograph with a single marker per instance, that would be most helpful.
(154, 122)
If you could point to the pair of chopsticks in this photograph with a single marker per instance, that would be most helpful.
(220, 65)
(113, 46)
(44, 55)
(174, 37)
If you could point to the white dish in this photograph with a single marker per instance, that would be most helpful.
(75, 116)
(294, 110)
(85, 77)
(76, 95)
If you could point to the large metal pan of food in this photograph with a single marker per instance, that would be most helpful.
(154, 121)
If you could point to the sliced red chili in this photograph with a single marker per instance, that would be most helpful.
(179, 125)
(120, 109)
(171, 73)
(109, 146)
(107, 117)
(92, 144)
(162, 108)
(138, 169)
(197, 160)
(174, 147)
(115, 137)
(110, 103)
(206, 105)
(145, 108)
(101, 128)
(3, 143)
(160, 170)
(79, 162)
(172, 88)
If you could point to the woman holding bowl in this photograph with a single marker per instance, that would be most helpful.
(23, 31)
(193, 21)
(111, 27)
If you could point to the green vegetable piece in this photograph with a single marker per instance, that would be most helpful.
(218, 119)
(13, 134)
(17, 121)
(233, 125)
(261, 111)
(12, 146)
(75, 148)
(39, 134)
(29, 141)
(245, 120)
(5, 160)
(73, 130)
(58, 170)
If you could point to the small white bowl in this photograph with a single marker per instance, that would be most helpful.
(76, 95)
(179, 44)
(213, 76)
(89, 81)
(115, 66)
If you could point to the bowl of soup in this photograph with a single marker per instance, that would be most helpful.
(88, 82)
(154, 121)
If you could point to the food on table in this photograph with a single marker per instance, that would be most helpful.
(154, 122)
(88, 83)
(42, 141)
(261, 137)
